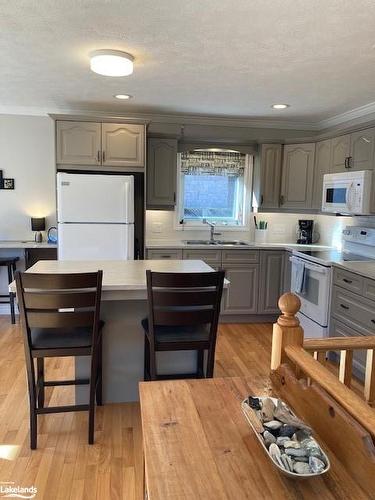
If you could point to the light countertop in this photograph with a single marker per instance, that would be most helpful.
(164, 244)
(25, 244)
(363, 268)
(120, 275)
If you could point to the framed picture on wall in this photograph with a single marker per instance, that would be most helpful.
(7, 183)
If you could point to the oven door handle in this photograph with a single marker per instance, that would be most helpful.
(311, 267)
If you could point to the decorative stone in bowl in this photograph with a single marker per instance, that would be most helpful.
(287, 440)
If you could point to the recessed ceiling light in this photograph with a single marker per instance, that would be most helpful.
(280, 106)
(123, 97)
(111, 62)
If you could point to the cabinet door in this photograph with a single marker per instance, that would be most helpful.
(322, 166)
(297, 176)
(33, 255)
(340, 151)
(271, 281)
(242, 295)
(162, 254)
(123, 145)
(270, 175)
(362, 150)
(161, 173)
(78, 143)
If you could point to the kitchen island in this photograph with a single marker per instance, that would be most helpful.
(124, 305)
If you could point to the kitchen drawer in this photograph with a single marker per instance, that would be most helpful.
(348, 280)
(164, 254)
(209, 256)
(240, 256)
(356, 312)
(369, 289)
(338, 329)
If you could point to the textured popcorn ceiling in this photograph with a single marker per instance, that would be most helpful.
(219, 57)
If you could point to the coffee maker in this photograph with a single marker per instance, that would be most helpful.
(305, 232)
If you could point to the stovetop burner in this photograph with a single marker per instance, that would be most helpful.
(333, 255)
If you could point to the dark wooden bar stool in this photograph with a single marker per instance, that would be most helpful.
(183, 315)
(10, 264)
(60, 316)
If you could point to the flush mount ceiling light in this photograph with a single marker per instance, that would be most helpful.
(123, 97)
(111, 62)
(280, 106)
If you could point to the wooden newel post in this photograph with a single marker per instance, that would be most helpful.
(287, 330)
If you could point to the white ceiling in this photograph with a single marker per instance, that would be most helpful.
(230, 58)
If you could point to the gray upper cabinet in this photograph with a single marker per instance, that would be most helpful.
(100, 144)
(297, 176)
(340, 153)
(271, 281)
(78, 143)
(323, 152)
(123, 145)
(270, 175)
(362, 150)
(161, 173)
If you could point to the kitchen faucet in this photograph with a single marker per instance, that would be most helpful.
(212, 230)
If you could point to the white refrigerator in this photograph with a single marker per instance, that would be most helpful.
(95, 215)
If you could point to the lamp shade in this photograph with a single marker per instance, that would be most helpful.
(38, 223)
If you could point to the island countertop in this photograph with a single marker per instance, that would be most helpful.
(122, 279)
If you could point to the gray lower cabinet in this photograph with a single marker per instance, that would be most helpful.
(287, 272)
(271, 282)
(211, 257)
(297, 176)
(164, 254)
(161, 174)
(352, 309)
(242, 295)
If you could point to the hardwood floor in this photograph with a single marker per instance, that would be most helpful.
(64, 466)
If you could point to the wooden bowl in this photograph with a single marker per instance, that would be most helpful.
(287, 473)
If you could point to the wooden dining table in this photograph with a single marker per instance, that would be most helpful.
(198, 445)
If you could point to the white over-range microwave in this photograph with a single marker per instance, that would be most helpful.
(347, 193)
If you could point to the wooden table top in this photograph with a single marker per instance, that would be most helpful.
(198, 445)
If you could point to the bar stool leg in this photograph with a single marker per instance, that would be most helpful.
(11, 295)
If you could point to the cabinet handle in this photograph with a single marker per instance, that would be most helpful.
(103, 154)
(373, 321)
(261, 200)
(344, 306)
(345, 280)
(165, 256)
(174, 197)
(281, 200)
(350, 164)
(98, 156)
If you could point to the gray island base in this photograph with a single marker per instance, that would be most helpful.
(124, 305)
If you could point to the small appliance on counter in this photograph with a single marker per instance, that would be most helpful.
(305, 232)
(52, 235)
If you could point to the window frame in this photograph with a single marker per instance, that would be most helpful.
(198, 225)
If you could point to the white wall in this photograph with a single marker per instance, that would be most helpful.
(27, 155)
(282, 228)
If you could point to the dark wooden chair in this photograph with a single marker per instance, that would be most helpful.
(60, 316)
(183, 314)
(10, 263)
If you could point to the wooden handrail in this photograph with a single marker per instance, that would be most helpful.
(339, 344)
(352, 403)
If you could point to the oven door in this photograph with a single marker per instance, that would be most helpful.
(316, 294)
(338, 196)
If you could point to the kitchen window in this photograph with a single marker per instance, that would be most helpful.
(214, 185)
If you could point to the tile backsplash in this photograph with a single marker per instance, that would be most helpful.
(160, 225)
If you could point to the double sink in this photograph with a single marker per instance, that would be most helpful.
(217, 242)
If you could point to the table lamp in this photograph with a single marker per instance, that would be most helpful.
(38, 224)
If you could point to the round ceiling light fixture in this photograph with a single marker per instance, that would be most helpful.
(280, 106)
(111, 62)
(123, 97)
